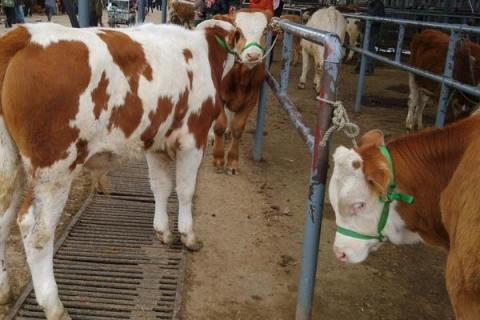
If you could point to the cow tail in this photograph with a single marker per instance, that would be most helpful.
(11, 171)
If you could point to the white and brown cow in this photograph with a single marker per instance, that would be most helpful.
(79, 98)
(440, 169)
(241, 86)
(330, 20)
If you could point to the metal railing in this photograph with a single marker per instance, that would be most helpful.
(446, 79)
(319, 167)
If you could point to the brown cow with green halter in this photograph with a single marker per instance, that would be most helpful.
(241, 86)
(418, 188)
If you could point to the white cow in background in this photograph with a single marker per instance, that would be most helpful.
(353, 31)
(330, 20)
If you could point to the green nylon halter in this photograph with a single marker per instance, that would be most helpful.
(224, 44)
(386, 200)
(253, 44)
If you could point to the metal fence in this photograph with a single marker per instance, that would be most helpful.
(446, 79)
(318, 173)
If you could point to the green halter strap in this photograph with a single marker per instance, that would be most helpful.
(253, 44)
(386, 200)
(224, 44)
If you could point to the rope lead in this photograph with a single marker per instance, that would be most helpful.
(340, 122)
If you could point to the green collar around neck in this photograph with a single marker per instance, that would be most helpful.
(253, 44)
(386, 199)
(224, 44)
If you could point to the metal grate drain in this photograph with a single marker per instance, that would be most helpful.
(111, 265)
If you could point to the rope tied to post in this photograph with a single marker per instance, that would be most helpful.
(340, 122)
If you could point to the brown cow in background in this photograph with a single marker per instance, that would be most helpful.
(428, 52)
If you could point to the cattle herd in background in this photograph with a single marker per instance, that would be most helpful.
(124, 101)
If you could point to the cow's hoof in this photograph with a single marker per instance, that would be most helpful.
(5, 296)
(232, 171)
(301, 85)
(317, 98)
(65, 315)
(191, 243)
(165, 237)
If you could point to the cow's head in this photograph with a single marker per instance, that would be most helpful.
(360, 179)
(252, 25)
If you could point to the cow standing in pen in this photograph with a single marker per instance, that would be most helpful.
(240, 88)
(329, 20)
(429, 51)
(417, 188)
(150, 90)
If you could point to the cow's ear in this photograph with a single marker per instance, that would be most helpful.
(374, 137)
(377, 175)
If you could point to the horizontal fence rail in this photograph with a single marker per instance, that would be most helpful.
(445, 79)
(319, 167)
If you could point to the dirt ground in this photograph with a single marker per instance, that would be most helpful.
(252, 228)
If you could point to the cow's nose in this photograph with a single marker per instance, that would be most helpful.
(340, 254)
(253, 56)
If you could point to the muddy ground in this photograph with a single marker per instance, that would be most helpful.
(252, 228)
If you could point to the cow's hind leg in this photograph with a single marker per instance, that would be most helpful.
(219, 129)
(413, 100)
(188, 162)
(161, 183)
(37, 219)
(9, 208)
(305, 67)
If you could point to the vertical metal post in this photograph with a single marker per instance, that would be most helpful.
(286, 57)
(83, 18)
(262, 106)
(141, 11)
(401, 36)
(363, 64)
(318, 178)
(447, 73)
(164, 11)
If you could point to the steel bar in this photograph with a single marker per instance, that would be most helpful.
(475, 91)
(447, 73)
(318, 178)
(292, 112)
(363, 64)
(317, 36)
(164, 11)
(83, 16)
(401, 36)
(141, 11)
(286, 58)
(444, 26)
(262, 106)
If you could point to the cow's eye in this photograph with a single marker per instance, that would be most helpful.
(357, 207)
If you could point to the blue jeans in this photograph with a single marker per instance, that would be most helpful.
(19, 14)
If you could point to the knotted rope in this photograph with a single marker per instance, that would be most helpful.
(340, 122)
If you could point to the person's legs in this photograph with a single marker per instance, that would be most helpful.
(10, 13)
(20, 18)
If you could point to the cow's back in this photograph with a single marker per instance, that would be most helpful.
(104, 90)
(330, 20)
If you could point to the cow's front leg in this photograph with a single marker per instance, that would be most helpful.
(219, 129)
(188, 162)
(161, 184)
(37, 219)
(6, 219)
(237, 127)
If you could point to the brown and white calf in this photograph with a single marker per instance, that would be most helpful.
(241, 86)
(440, 169)
(79, 98)
(330, 20)
(428, 52)
(181, 12)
